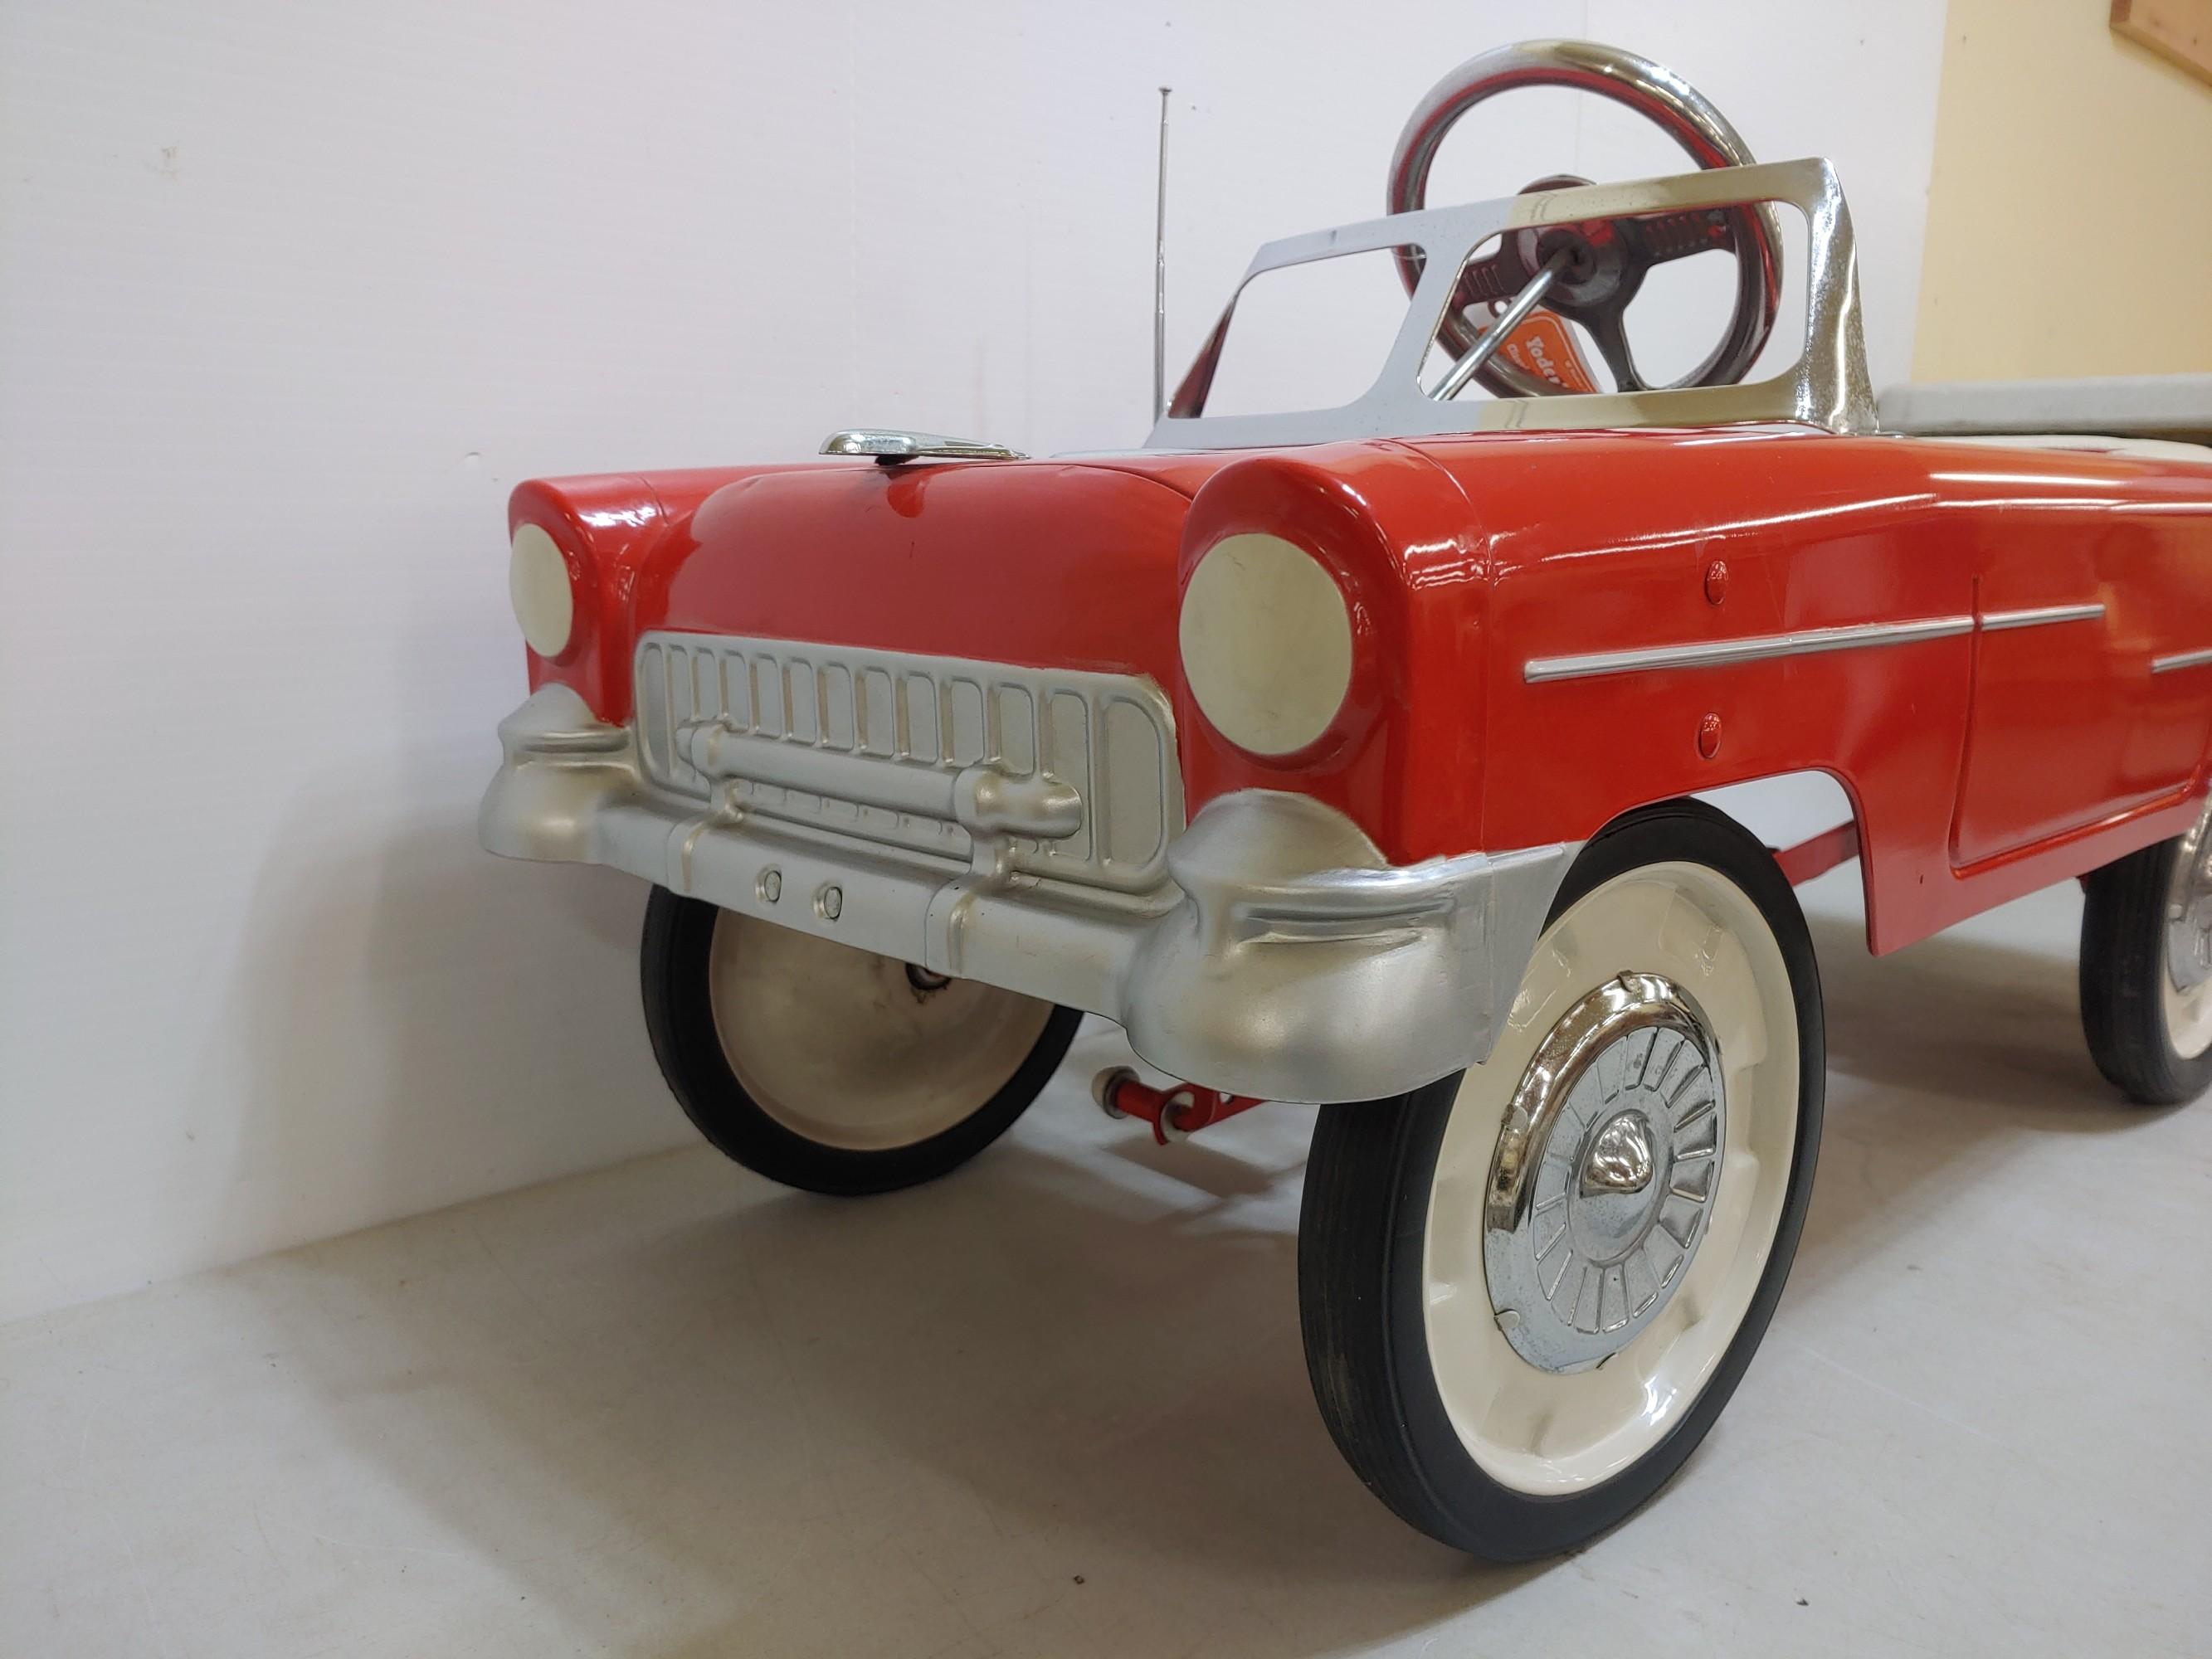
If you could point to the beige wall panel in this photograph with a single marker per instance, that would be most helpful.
(2069, 216)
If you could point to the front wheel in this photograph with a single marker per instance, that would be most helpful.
(1529, 1289)
(832, 1068)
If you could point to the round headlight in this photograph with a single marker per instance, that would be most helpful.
(1266, 643)
(537, 582)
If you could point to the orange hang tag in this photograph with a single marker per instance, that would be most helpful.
(1543, 346)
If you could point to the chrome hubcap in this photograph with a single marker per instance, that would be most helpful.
(1604, 1171)
(2187, 994)
(2189, 913)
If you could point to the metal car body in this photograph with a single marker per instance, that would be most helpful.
(1366, 751)
(938, 706)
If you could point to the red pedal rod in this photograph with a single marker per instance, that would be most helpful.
(1822, 853)
(1175, 1113)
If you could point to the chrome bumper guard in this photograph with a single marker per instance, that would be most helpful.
(1282, 958)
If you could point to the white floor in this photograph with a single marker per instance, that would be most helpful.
(1055, 1404)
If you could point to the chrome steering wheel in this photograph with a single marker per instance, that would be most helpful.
(1596, 269)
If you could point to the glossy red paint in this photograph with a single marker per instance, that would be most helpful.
(616, 531)
(1819, 530)
(1403, 758)
(1980, 765)
(1038, 563)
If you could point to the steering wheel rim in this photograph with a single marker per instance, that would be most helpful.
(1663, 97)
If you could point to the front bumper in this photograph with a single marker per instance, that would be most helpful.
(1284, 957)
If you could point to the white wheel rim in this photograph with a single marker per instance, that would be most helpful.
(2186, 986)
(1550, 1433)
(844, 1047)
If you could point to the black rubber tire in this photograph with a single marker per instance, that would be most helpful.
(2122, 966)
(1362, 1226)
(679, 1017)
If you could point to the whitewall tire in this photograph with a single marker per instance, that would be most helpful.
(829, 1068)
(2146, 968)
(1527, 1290)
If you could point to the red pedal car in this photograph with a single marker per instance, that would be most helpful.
(1353, 755)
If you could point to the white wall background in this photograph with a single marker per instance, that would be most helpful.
(291, 295)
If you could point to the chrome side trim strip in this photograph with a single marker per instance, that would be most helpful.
(1714, 654)
(2036, 615)
(2181, 659)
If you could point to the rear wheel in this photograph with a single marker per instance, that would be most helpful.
(2146, 968)
(1529, 1289)
(832, 1068)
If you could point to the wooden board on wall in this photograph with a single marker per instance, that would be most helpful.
(2180, 30)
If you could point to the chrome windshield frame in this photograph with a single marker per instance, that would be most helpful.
(1827, 387)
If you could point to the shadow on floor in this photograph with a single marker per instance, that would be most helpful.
(1945, 1061)
(1055, 1369)
(1972, 1019)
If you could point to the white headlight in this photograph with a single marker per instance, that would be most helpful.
(1266, 643)
(537, 582)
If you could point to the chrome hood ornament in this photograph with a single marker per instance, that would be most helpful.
(890, 446)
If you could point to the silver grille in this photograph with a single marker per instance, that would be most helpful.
(865, 743)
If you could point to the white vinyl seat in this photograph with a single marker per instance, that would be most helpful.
(2164, 408)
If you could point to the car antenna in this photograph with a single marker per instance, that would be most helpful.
(1160, 273)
